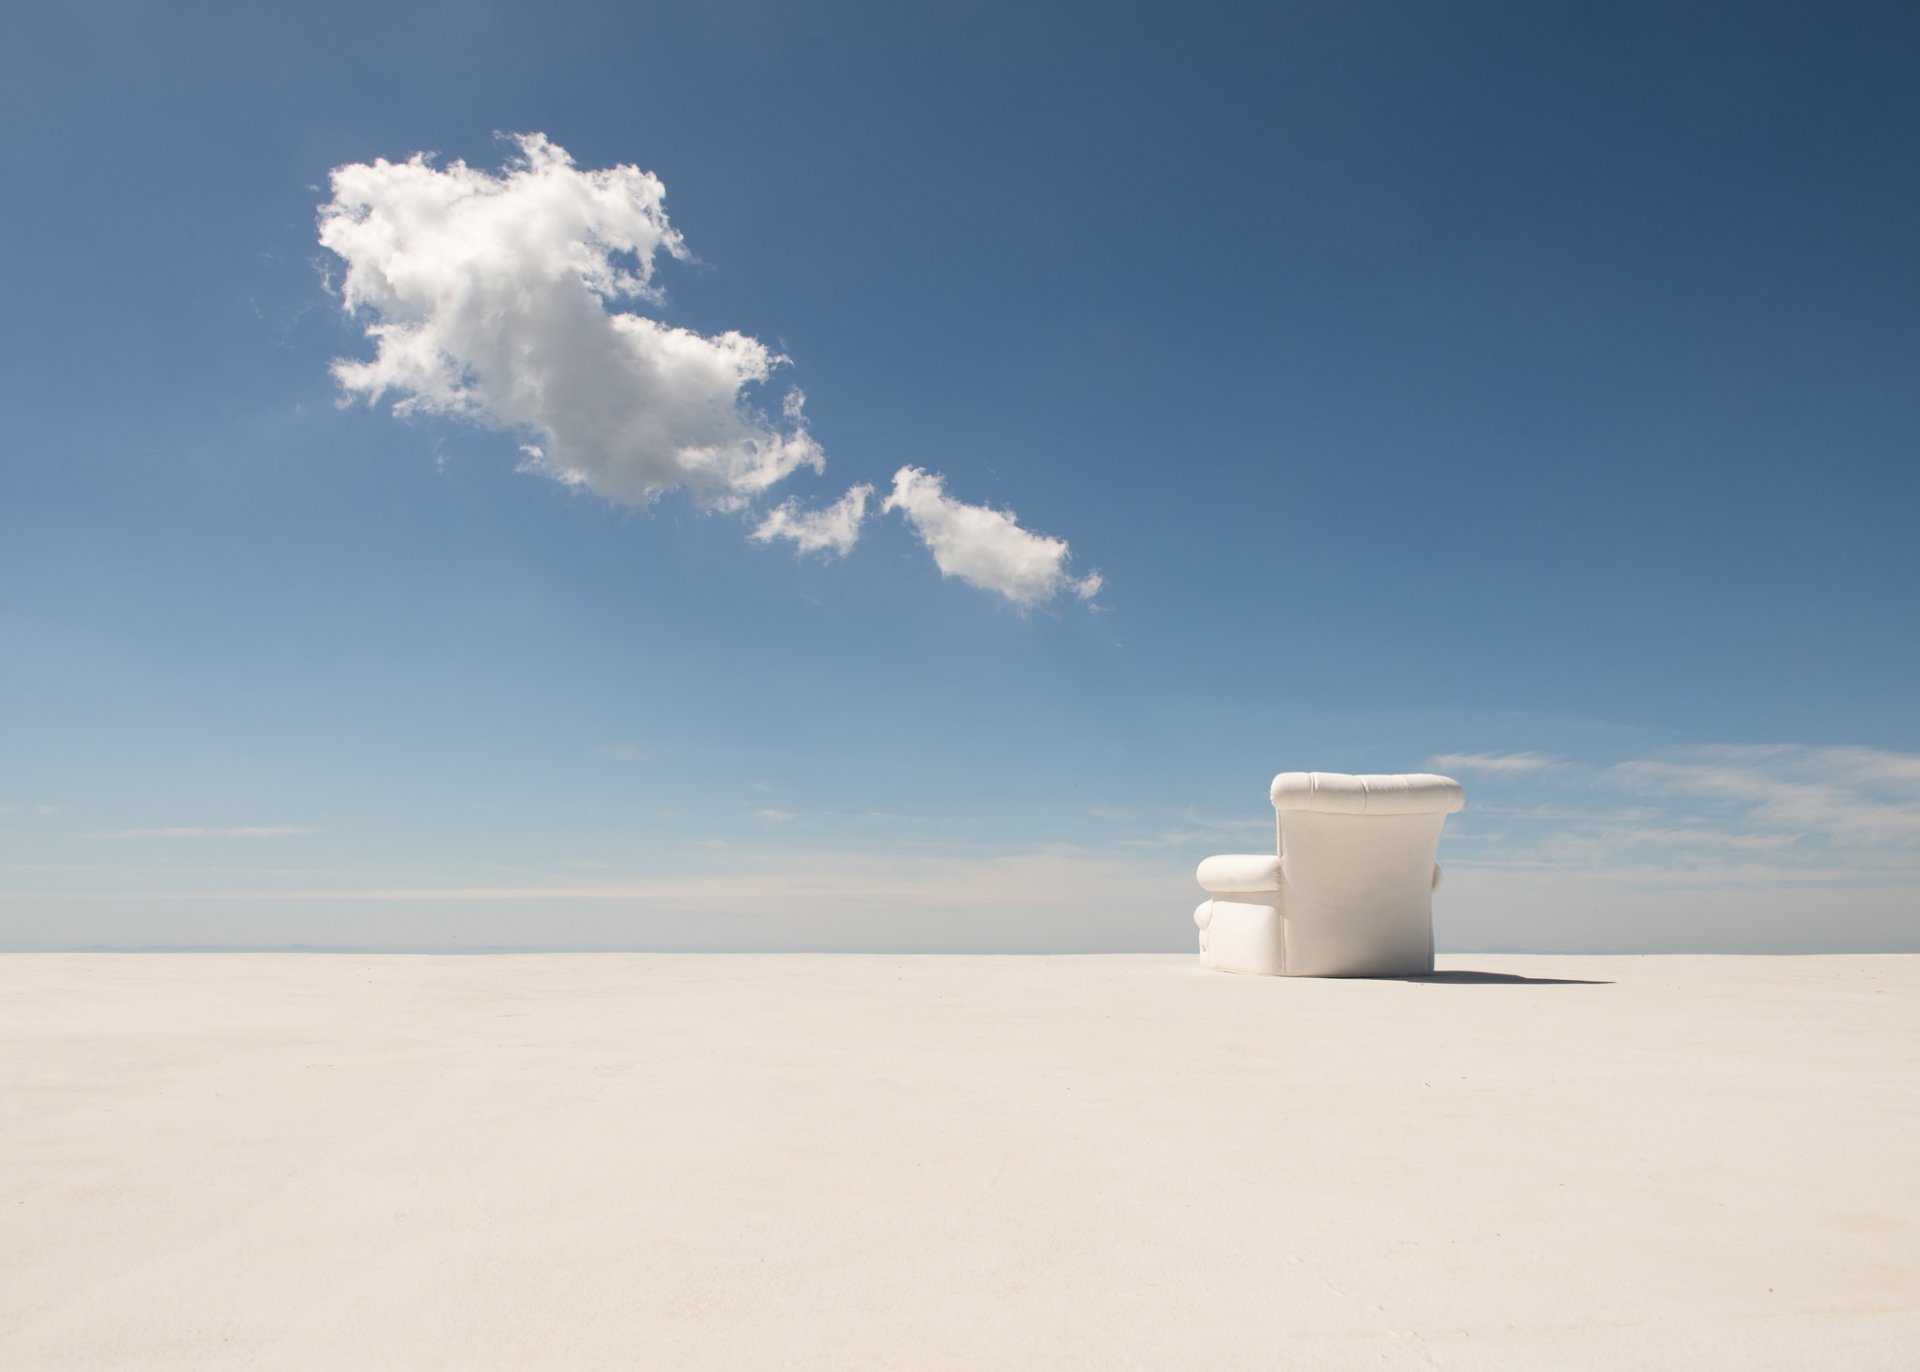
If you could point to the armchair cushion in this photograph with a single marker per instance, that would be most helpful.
(1335, 793)
(1234, 873)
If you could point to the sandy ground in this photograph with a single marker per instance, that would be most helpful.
(684, 1162)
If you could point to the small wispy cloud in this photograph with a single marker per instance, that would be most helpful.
(1218, 833)
(834, 529)
(1850, 766)
(983, 546)
(1496, 764)
(774, 816)
(1719, 807)
(1853, 796)
(230, 831)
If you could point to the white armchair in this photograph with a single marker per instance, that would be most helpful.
(1349, 891)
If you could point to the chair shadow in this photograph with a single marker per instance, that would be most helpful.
(1469, 978)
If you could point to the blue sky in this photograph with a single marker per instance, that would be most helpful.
(1524, 392)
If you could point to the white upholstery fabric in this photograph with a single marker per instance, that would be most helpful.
(1334, 793)
(1231, 872)
(1246, 934)
(1351, 891)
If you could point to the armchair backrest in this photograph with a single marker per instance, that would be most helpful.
(1357, 859)
(1359, 862)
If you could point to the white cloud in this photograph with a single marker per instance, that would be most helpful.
(983, 546)
(834, 529)
(1500, 764)
(1698, 809)
(1852, 796)
(236, 831)
(1864, 767)
(511, 299)
(488, 296)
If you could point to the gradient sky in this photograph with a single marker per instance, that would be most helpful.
(1526, 392)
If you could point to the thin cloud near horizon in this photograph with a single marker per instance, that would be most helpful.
(227, 831)
(1798, 803)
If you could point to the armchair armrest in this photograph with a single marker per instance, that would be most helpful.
(1231, 874)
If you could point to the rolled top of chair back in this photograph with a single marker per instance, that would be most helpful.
(1336, 793)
